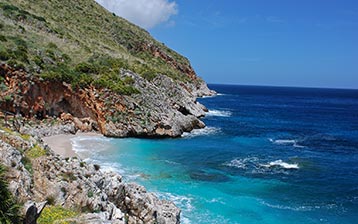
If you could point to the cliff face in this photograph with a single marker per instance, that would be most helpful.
(162, 108)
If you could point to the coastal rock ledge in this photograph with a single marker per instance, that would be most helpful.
(36, 174)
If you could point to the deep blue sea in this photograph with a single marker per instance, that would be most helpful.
(267, 155)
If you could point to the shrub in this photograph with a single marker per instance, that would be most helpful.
(35, 152)
(90, 194)
(52, 45)
(16, 64)
(21, 54)
(56, 214)
(51, 200)
(27, 164)
(128, 80)
(3, 38)
(9, 209)
(86, 68)
(82, 81)
(38, 61)
(68, 176)
(4, 55)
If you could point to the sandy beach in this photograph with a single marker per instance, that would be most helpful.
(61, 144)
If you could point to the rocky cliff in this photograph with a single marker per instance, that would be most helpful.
(161, 108)
(35, 174)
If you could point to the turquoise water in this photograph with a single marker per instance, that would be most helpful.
(268, 155)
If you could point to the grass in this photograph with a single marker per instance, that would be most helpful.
(27, 164)
(9, 209)
(35, 152)
(56, 214)
(68, 176)
(80, 43)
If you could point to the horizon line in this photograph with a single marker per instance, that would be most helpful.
(284, 86)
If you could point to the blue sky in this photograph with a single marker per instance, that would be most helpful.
(268, 42)
(312, 43)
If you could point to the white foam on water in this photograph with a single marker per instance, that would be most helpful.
(242, 163)
(89, 143)
(284, 207)
(170, 162)
(298, 146)
(280, 163)
(201, 132)
(286, 142)
(209, 96)
(301, 207)
(184, 202)
(218, 113)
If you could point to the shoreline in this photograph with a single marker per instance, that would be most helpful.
(62, 145)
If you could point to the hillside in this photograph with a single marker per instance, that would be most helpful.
(75, 61)
(48, 33)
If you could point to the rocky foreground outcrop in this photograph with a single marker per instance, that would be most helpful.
(163, 107)
(35, 174)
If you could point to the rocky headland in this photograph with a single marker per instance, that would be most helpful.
(69, 66)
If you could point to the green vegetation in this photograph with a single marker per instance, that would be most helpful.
(9, 210)
(90, 194)
(56, 214)
(35, 152)
(81, 44)
(27, 164)
(68, 177)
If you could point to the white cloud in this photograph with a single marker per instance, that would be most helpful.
(144, 13)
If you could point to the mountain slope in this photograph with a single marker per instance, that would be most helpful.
(83, 30)
(75, 61)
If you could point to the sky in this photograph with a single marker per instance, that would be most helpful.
(307, 43)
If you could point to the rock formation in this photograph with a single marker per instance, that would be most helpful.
(163, 108)
(74, 184)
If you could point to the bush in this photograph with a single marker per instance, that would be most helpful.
(9, 209)
(86, 68)
(35, 152)
(4, 55)
(21, 54)
(55, 214)
(51, 200)
(52, 46)
(3, 38)
(16, 64)
(27, 164)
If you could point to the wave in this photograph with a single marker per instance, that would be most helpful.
(243, 163)
(218, 113)
(201, 132)
(89, 143)
(215, 95)
(291, 142)
(301, 208)
(184, 202)
(280, 163)
(254, 165)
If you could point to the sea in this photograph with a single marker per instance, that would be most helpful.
(267, 155)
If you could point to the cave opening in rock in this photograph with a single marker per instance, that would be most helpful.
(184, 111)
